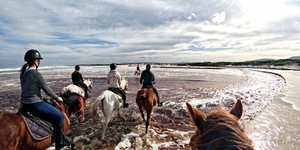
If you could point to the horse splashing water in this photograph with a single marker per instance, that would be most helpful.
(108, 102)
(219, 130)
(137, 73)
(146, 99)
(75, 96)
(14, 134)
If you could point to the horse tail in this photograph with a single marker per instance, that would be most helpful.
(96, 104)
(142, 98)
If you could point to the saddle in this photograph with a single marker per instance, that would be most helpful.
(39, 129)
(75, 89)
(119, 95)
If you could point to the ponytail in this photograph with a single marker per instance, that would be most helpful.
(23, 69)
(25, 66)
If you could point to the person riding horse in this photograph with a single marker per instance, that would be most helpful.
(114, 82)
(147, 79)
(78, 80)
(32, 82)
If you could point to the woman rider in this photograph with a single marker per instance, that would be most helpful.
(31, 83)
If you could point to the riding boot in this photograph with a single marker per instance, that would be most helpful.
(61, 139)
(158, 102)
(125, 105)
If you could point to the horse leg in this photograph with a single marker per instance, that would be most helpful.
(142, 113)
(148, 119)
(104, 130)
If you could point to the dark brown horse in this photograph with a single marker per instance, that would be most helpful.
(146, 99)
(15, 136)
(219, 130)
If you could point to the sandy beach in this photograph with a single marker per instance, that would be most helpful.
(170, 127)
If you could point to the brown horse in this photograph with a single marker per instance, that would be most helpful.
(15, 136)
(146, 99)
(219, 130)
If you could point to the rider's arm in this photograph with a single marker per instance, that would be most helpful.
(46, 89)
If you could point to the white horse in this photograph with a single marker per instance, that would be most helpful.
(137, 73)
(76, 89)
(108, 102)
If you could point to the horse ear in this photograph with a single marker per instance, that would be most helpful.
(237, 109)
(197, 116)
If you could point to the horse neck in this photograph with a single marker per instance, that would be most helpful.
(61, 108)
(123, 84)
(86, 82)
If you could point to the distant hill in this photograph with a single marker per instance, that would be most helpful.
(261, 62)
(294, 57)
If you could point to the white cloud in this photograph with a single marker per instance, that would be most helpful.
(132, 30)
(218, 18)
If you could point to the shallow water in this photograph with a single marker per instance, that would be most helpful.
(170, 126)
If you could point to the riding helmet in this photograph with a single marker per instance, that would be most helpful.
(32, 55)
(77, 67)
(113, 66)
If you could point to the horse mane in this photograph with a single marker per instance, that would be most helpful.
(71, 100)
(219, 130)
(124, 83)
(223, 131)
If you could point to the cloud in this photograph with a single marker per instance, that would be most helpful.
(104, 31)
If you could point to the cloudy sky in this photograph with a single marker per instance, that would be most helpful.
(68, 32)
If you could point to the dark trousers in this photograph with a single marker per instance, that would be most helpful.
(119, 91)
(81, 84)
(154, 89)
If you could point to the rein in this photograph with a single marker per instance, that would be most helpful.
(63, 110)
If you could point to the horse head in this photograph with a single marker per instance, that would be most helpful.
(74, 104)
(218, 130)
(124, 84)
(88, 83)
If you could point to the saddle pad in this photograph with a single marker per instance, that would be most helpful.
(36, 131)
(119, 98)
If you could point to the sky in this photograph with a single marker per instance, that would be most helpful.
(68, 32)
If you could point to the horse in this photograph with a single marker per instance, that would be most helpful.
(146, 99)
(137, 73)
(219, 130)
(14, 134)
(77, 93)
(76, 89)
(108, 102)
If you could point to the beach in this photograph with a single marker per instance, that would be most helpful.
(170, 126)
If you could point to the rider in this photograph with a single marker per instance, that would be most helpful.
(32, 82)
(114, 82)
(147, 79)
(78, 80)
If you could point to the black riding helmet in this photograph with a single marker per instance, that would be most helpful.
(113, 66)
(32, 55)
(77, 67)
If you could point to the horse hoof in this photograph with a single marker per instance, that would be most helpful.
(81, 120)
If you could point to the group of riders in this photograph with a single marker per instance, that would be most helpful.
(32, 82)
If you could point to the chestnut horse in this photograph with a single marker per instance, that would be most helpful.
(15, 136)
(219, 130)
(108, 101)
(146, 99)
